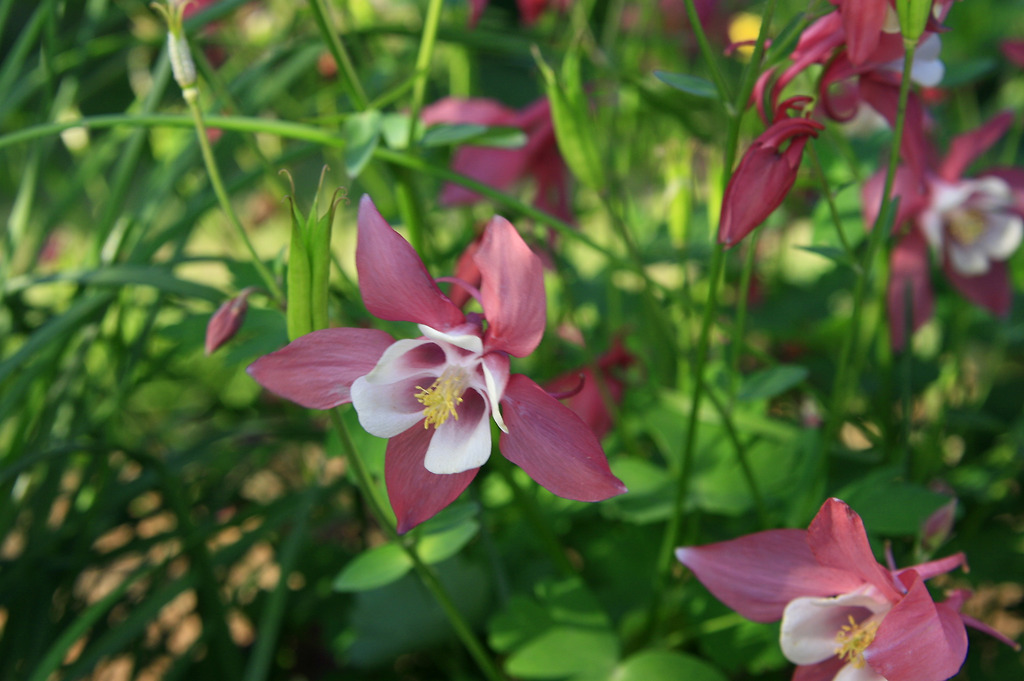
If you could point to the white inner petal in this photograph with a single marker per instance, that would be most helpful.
(810, 625)
(467, 341)
(463, 444)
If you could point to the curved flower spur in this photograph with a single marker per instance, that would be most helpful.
(434, 396)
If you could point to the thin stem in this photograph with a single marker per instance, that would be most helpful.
(826, 191)
(222, 196)
(673, 531)
(849, 360)
(337, 48)
(741, 309)
(422, 69)
(377, 506)
(709, 54)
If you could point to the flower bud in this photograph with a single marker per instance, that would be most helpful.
(226, 321)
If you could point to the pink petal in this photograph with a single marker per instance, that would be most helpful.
(991, 290)
(479, 110)
(908, 268)
(317, 370)
(883, 96)
(918, 639)
(530, 10)
(512, 289)
(862, 22)
(393, 280)
(965, 148)
(758, 574)
(477, 8)
(553, 445)
(905, 185)
(498, 168)
(416, 494)
(823, 671)
(838, 540)
(1014, 51)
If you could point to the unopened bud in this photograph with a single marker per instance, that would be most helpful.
(937, 527)
(226, 321)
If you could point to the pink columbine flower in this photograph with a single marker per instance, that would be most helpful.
(538, 160)
(765, 174)
(435, 396)
(844, 616)
(972, 225)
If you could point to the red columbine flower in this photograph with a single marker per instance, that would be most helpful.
(435, 396)
(765, 174)
(539, 159)
(844, 616)
(972, 225)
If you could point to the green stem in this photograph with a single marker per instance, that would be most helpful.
(225, 202)
(378, 507)
(741, 311)
(826, 191)
(850, 360)
(709, 53)
(337, 48)
(673, 531)
(423, 58)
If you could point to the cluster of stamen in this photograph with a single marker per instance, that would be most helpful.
(442, 397)
(966, 225)
(853, 638)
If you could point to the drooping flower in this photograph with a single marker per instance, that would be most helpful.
(972, 225)
(765, 174)
(844, 616)
(538, 160)
(435, 396)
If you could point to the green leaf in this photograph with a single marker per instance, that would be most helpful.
(890, 506)
(373, 569)
(565, 651)
(478, 135)
(439, 546)
(691, 85)
(362, 134)
(833, 253)
(573, 128)
(771, 382)
(666, 665)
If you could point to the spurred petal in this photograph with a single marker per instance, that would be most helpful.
(416, 494)
(553, 445)
(393, 280)
(464, 443)
(918, 639)
(512, 288)
(908, 269)
(965, 148)
(991, 290)
(838, 540)
(758, 574)
(862, 22)
(933, 568)
(317, 370)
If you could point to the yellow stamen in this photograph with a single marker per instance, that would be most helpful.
(966, 225)
(443, 396)
(853, 638)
